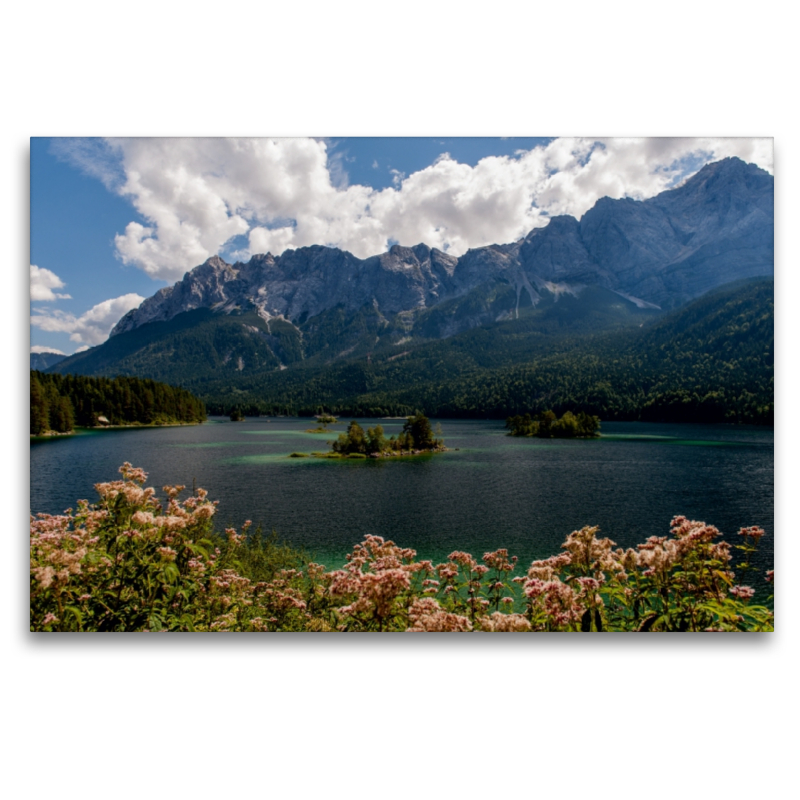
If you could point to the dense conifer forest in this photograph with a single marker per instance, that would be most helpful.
(61, 402)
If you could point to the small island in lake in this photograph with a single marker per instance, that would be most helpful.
(547, 426)
(416, 438)
(323, 420)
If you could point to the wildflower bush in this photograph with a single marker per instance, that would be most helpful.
(130, 562)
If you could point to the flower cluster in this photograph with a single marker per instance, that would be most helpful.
(127, 563)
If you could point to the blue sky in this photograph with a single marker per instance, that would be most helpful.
(114, 220)
(372, 160)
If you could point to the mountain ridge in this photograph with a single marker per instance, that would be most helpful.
(318, 325)
(715, 228)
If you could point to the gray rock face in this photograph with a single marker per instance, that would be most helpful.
(716, 228)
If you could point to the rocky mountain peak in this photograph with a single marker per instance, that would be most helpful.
(715, 228)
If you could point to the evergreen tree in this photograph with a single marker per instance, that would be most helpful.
(62, 416)
(40, 419)
(376, 441)
(418, 428)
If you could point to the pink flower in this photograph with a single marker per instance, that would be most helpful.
(235, 538)
(534, 587)
(426, 614)
(505, 623)
(464, 560)
(499, 560)
(742, 592)
(753, 531)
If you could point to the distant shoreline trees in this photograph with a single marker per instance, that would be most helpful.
(547, 426)
(59, 403)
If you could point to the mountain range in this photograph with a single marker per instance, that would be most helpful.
(624, 263)
(43, 361)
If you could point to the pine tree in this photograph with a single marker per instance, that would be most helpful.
(40, 418)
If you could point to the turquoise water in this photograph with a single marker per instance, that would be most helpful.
(493, 491)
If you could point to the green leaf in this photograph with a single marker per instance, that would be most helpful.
(187, 623)
(75, 612)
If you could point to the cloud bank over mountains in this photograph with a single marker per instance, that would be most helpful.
(40, 348)
(90, 328)
(201, 197)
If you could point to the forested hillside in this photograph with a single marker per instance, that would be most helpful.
(711, 361)
(60, 402)
(201, 345)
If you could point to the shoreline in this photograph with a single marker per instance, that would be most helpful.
(79, 428)
(332, 456)
(536, 436)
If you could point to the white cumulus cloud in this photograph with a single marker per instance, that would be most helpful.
(43, 281)
(196, 195)
(90, 328)
(40, 348)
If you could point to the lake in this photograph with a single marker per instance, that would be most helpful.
(493, 491)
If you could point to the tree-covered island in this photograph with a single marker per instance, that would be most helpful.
(547, 426)
(416, 438)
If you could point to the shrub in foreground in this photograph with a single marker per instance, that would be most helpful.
(132, 563)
